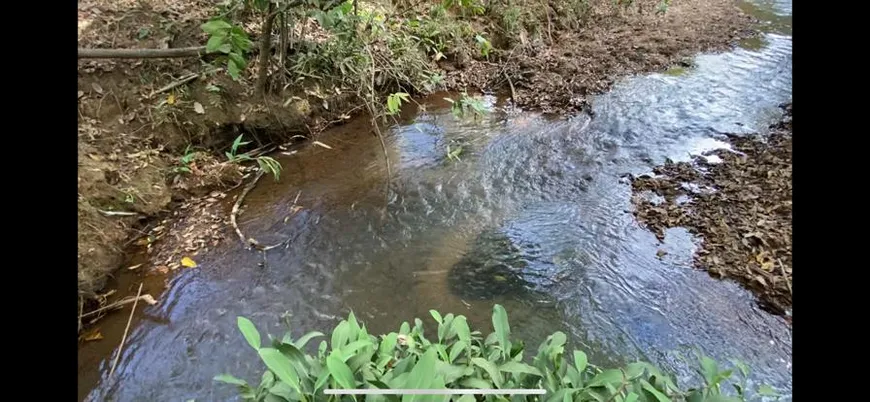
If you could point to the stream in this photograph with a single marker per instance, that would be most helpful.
(542, 193)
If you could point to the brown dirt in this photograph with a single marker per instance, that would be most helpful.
(745, 222)
(131, 141)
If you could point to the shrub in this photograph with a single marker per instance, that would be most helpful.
(460, 358)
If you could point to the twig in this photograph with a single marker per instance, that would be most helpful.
(375, 123)
(235, 212)
(513, 92)
(784, 275)
(238, 204)
(184, 80)
(124, 338)
(118, 304)
(81, 307)
(117, 213)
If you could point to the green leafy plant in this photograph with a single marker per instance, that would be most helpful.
(453, 153)
(232, 154)
(351, 358)
(473, 7)
(394, 102)
(185, 160)
(465, 105)
(266, 163)
(229, 40)
(483, 45)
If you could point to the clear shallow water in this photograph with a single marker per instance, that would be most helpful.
(552, 187)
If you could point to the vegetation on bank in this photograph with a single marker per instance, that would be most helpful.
(462, 358)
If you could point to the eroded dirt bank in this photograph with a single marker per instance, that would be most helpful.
(134, 133)
(740, 207)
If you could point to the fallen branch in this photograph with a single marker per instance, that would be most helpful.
(195, 51)
(146, 297)
(249, 241)
(124, 338)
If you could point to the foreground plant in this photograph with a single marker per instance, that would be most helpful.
(267, 163)
(460, 358)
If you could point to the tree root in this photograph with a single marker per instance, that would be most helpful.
(250, 241)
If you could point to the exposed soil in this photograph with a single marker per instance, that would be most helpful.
(132, 137)
(741, 208)
(556, 76)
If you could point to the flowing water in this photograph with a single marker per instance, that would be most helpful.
(546, 196)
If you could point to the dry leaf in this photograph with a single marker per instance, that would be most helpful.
(188, 262)
(94, 335)
(197, 107)
(81, 93)
(134, 267)
(171, 99)
(318, 143)
(97, 88)
(163, 269)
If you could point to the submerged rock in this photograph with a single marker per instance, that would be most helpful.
(499, 264)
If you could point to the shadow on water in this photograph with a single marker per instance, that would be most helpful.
(542, 197)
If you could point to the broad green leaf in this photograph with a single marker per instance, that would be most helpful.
(215, 42)
(574, 376)
(249, 331)
(340, 372)
(455, 350)
(405, 329)
(423, 373)
(281, 366)
(297, 358)
(609, 376)
(658, 395)
(229, 379)
(709, 369)
(519, 368)
(437, 316)
(631, 397)
(466, 398)
(767, 390)
(501, 326)
(475, 383)
(353, 326)
(302, 341)
(462, 331)
(215, 26)
(347, 351)
(284, 391)
(744, 369)
(580, 361)
(634, 370)
(321, 380)
(388, 344)
(490, 369)
(237, 60)
(450, 372)
(339, 335)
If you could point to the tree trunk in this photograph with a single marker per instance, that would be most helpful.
(265, 54)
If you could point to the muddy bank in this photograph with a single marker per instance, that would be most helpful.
(134, 134)
(741, 207)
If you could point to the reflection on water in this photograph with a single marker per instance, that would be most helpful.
(546, 194)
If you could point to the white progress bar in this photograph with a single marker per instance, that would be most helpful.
(377, 391)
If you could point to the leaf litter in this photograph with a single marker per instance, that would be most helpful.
(746, 223)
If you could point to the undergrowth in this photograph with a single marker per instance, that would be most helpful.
(458, 357)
